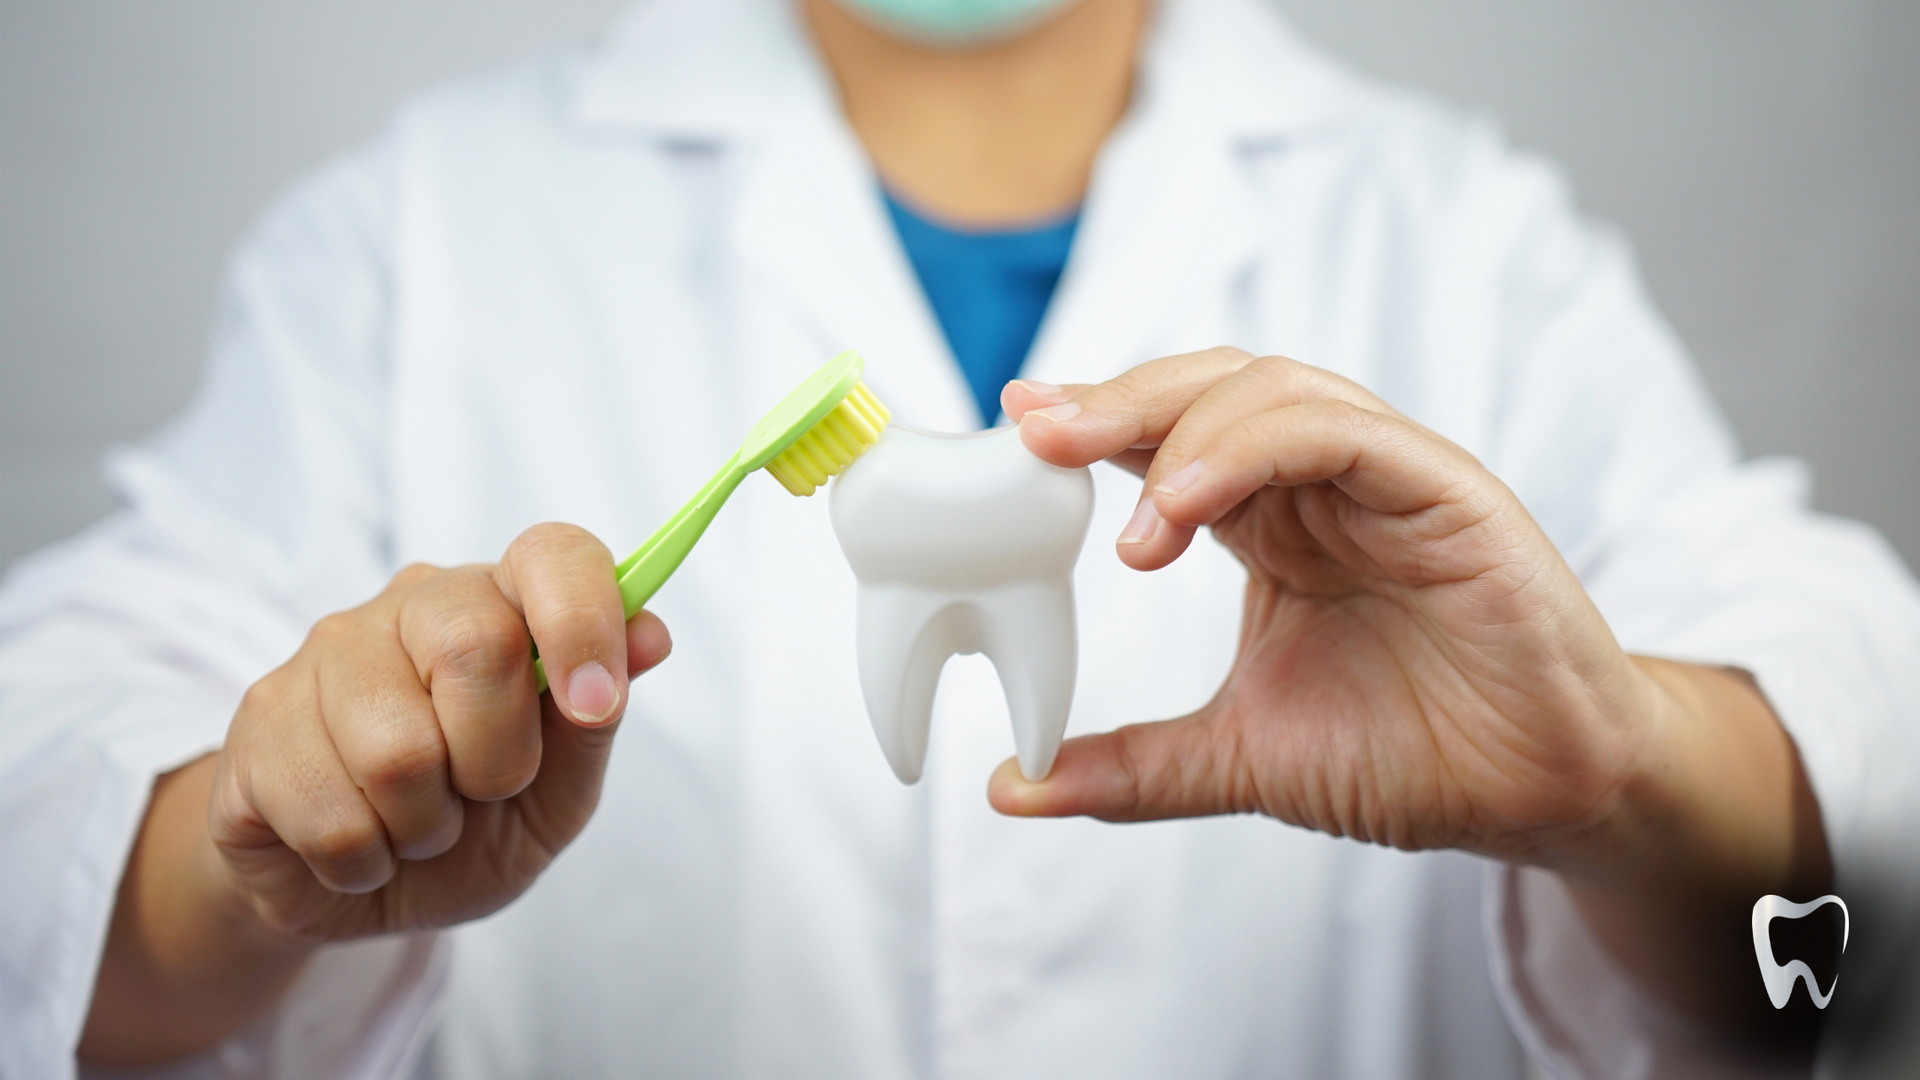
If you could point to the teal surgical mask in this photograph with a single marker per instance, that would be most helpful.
(954, 22)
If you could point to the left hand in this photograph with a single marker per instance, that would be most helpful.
(1418, 666)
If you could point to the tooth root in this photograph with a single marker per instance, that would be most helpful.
(1028, 633)
(906, 635)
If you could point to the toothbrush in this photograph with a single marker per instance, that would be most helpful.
(811, 435)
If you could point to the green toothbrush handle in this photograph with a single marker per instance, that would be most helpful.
(652, 563)
(642, 573)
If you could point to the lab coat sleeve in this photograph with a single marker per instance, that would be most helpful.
(1606, 431)
(124, 652)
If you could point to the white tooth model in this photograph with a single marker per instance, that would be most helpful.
(963, 544)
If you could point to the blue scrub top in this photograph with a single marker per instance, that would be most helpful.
(989, 290)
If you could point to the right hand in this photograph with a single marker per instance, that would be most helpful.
(402, 771)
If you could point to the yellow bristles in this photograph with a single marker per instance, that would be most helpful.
(832, 444)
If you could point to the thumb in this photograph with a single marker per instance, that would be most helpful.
(573, 759)
(1189, 767)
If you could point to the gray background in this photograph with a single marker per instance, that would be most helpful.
(1764, 156)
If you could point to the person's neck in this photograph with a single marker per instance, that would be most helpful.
(1000, 134)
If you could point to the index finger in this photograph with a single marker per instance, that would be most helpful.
(1154, 403)
(1131, 412)
(562, 579)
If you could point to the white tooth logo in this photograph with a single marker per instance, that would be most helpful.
(1780, 978)
(963, 544)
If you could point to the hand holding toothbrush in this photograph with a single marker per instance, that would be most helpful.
(407, 769)
(403, 771)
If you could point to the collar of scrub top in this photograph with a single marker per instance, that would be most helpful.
(1174, 186)
(708, 70)
(989, 289)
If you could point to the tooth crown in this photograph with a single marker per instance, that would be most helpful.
(963, 544)
(961, 511)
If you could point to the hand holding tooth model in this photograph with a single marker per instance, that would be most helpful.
(1419, 667)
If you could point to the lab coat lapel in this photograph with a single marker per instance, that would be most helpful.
(1173, 216)
(1171, 219)
(1167, 224)
(812, 229)
(808, 231)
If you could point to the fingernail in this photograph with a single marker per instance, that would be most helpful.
(1043, 389)
(1141, 527)
(592, 694)
(1058, 413)
(1182, 480)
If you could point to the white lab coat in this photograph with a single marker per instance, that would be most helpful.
(561, 292)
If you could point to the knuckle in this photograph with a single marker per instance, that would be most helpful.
(284, 690)
(414, 574)
(288, 916)
(1138, 383)
(352, 852)
(504, 781)
(1278, 369)
(483, 645)
(1360, 427)
(264, 697)
(330, 631)
(347, 842)
(231, 817)
(1230, 356)
(435, 836)
(1349, 415)
(579, 617)
(549, 538)
(1145, 788)
(470, 582)
(1292, 380)
(411, 759)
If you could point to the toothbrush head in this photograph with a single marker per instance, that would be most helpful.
(819, 429)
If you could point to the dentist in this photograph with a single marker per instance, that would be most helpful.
(1483, 583)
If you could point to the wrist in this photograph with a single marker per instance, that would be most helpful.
(1710, 799)
(1715, 813)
